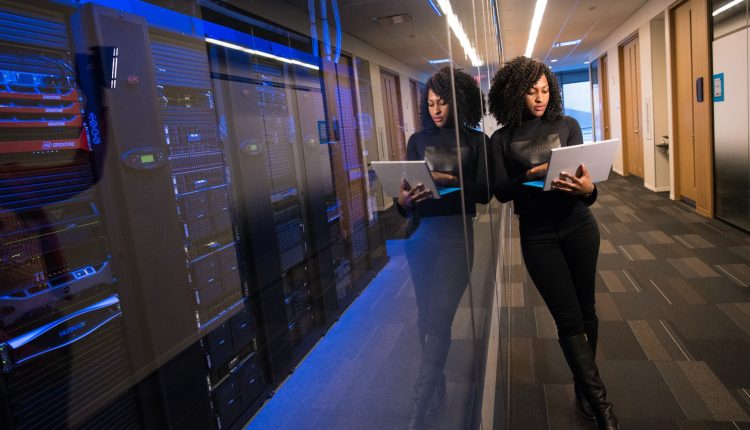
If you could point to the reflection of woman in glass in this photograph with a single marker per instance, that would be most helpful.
(437, 250)
(559, 235)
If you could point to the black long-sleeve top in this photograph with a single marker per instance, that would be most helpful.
(438, 148)
(515, 150)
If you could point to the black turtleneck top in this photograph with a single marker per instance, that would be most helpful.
(438, 147)
(515, 150)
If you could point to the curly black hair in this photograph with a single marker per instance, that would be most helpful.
(469, 106)
(511, 83)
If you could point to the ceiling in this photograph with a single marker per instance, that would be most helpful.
(425, 36)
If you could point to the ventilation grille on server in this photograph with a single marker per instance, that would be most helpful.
(199, 173)
(32, 26)
(66, 387)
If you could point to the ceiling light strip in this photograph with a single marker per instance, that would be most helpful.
(726, 6)
(536, 23)
(261, 53)
(459, 32)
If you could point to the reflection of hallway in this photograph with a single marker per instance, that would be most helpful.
(673, 297)
(361, 374)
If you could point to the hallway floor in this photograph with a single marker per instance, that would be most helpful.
(673, 298)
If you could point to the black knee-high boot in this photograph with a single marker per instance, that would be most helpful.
(580, 359)
(434, 354)
(592, 335)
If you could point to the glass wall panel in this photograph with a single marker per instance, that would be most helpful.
(194, 232)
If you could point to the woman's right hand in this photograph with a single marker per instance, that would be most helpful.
(411, 196)
(537, 172)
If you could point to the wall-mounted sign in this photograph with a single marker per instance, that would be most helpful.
(718, 87)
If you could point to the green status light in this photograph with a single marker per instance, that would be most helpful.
(148, 158)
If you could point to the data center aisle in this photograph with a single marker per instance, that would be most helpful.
(361, 374)
(673, 299)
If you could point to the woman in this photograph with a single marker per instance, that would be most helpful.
(437, 249)
(559, 235)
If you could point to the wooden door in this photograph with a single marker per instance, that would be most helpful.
(631, 111)
(604, 87)
(417, 90)
(394, 117)
(684, 143)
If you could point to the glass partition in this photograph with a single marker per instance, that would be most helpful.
(194, 233)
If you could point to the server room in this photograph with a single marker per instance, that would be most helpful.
(199, 230)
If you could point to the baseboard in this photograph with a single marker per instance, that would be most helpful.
(656, 189)
(617, 171)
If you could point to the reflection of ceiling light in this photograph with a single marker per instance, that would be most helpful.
(568, 43)
(439, 61)
(536, 22)
(459, 32)
(394, 19)
(554, 60)
(261, 53)
(726, 6)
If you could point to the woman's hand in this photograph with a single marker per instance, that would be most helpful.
(578, 185)
(537, 172)
(410, 196)
(444, 179)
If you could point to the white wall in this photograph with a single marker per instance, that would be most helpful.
(660, 100)
(638, 23)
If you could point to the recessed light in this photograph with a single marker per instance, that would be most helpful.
(394, 19)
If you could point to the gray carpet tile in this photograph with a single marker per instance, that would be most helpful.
(673, 299)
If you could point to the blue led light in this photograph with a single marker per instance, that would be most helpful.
(435, 8)
(28, 337)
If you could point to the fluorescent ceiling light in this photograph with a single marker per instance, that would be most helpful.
(439, 61)
(585, 62)
(568, 43)
(459, 32)
(554, 60)
(261, 53)
(536, 22)
(727, 6)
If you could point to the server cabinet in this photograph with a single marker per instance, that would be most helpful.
(255, 104)
(64, 357)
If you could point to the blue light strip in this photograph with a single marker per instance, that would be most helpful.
(313, 26)
(326, 36)
(337, 19)
(435, 8)
(28, 337)
(116, 315)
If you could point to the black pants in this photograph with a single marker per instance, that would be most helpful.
(560, 253)
(436, 253)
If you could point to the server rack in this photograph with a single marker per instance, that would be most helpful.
(200, 176)
(62, 348)
(255, 103)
